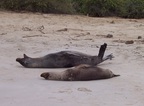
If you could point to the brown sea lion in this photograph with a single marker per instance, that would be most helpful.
(64, 59)
(80, 73)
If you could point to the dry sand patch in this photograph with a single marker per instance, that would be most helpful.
(39, 34)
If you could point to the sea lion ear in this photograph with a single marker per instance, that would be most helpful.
(25, 56)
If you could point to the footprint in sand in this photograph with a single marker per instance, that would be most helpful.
(84, 90)
(65, 91)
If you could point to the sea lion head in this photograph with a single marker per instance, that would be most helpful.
(53, 75)
(45, 75)
(26, 61)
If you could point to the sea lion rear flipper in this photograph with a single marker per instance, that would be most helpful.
(110, 56)
(102, 51)
(115, 75)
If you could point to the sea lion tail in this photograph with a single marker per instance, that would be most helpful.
(115, 75)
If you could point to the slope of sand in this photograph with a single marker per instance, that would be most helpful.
(39, 34)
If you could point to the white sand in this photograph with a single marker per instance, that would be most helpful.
(21, 33)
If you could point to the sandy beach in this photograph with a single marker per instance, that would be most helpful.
(39, 34)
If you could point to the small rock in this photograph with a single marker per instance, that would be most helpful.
(64, 29)
(112, 22)
(139, 37)
(109, 36)
(129, 42)
(88, 33)
(3, 33)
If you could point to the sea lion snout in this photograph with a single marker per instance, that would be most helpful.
(45, 75)
(18, 59)
(21, 61)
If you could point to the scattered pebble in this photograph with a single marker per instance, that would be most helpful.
(139, 37)
(88, 33)
(129, 42)
(3, 33)
(109, 36)
(112, 22)
(65, 29)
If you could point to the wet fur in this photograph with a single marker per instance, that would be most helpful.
(80, 73)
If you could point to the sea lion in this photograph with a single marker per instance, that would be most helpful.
(80, 73)
(64, 59)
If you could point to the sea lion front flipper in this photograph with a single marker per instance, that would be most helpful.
(82, 66)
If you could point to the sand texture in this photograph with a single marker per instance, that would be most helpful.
(40, 34)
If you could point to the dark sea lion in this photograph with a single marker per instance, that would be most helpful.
(80, 73)
(64, 59)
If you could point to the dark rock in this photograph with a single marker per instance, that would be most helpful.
(129, 42)
(109, 36)
(139, 37)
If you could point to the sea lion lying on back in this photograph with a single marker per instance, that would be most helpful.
(80, 73)
(64, 59)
